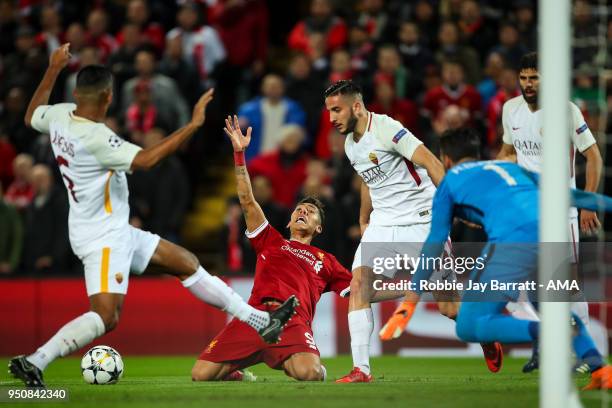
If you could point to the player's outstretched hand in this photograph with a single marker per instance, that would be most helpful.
(199, 110)
(232, 129)
(60, 57)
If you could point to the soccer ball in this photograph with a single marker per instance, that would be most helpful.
(102, 365)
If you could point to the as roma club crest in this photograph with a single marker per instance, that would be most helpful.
(373, 158)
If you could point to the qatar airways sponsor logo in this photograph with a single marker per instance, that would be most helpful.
(373, 175)
(528, 147)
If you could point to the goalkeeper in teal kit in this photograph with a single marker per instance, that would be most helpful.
(503, 199)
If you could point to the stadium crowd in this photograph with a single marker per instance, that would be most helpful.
(430, 64)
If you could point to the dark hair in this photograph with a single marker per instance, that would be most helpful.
(460, 143)
(317, 203)
(342, 87)
(529, 61)
(94, 78)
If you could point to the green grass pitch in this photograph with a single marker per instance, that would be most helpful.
(399, 382)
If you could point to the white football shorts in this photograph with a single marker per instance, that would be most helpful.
(107, 269)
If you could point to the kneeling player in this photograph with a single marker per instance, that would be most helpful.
(284, 267)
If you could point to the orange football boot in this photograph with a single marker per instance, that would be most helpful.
(356, 376)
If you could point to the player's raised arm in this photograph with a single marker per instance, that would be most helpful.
(253, 214)
(149, 157)
(58, 60)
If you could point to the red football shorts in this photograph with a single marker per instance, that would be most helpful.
(240, 345)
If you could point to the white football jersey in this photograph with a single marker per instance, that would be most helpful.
(401, 191)
(523, 130)
(93, 161)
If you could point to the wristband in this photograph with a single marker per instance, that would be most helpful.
(239, 158)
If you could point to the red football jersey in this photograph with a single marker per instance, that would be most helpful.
(286, 268)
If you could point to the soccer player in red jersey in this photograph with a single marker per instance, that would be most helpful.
(285, 267)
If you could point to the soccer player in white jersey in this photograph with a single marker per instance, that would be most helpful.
(522, 123)
(93, 162)
(399, 176)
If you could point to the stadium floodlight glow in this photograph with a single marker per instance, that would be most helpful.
(556, 389)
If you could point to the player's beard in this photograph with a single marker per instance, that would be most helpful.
(530, 99)
(350, 124)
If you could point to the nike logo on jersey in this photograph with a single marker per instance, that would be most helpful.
(513, 128)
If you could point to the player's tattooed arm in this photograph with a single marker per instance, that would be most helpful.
(58, 60)
(365, 208)
(253, 214)
(507, 152)
(149, 157)
(423, 157)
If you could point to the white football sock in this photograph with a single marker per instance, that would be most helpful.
(74, 335)
(582, 311)
(215, 292)
(324, 370)
(361, 326)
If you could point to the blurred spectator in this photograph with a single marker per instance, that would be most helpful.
(322, 21)
(75, 35)
(604, 58)
(586, 37)
(450, 10)
(142, 115)
(426, 19)
(453, 91)
(166, 97)
(487, 88)
(508, 89)
(415, 57)
(161, 196)
(50, 36)
(267, 114)
(340, 66)
(451, 117)
(476, 31)
(509, 45)
(97, 35)
(46, 247)
(284, 167)
(88, 56)
(386, 101)
(526, 23)
(13, 66)
(243, 22)
(11, 118)
(350, 230)
(8, 26)
(451, 48)
(150, 32)
(176, 67)
(375, 19)
(340, 166)
(361, 49)
(121, 62)
(201, 43)
(390, 64)
(11, 237)
(306, 89)
(7, 155)
(20, 192)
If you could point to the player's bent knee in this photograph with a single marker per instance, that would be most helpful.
(466, 328)
(312, 372)
(205, 371)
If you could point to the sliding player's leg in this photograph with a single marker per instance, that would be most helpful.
(305, 366)
(106, 289)
(208, 371)
(184, 265)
